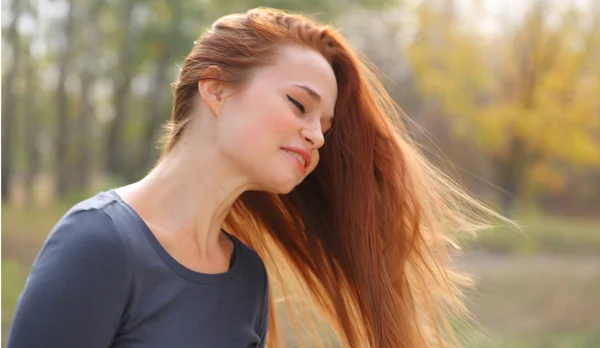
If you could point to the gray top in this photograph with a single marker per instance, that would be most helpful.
(103, 280)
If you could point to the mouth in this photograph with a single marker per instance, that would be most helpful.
(300, 155)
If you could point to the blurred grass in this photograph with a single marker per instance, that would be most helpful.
(31, 223)
(13, 280)
(536, 301)
(553, 340)
(545, 234)
(526, 302)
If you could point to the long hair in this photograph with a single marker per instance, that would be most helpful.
(364, 238)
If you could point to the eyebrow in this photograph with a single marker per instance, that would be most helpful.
(310, 91)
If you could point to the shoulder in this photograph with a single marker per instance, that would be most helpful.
(78, 286)
(252, 261)
(87, 230)
(83, 248)
(254, 272)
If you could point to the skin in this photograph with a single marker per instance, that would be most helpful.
(234, 144)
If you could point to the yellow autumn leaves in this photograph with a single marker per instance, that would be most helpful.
(529, 94)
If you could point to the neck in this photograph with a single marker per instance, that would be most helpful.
(192, 202)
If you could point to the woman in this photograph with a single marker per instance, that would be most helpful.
(281, 136)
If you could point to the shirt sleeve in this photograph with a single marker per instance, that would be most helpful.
(264, 317)
(77, 287)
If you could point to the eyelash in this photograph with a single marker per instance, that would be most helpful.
(297, 103)
(303, 110)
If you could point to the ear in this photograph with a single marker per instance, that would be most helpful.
(211, 88)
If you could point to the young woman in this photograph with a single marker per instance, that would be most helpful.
(281, 136)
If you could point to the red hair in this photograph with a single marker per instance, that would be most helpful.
(366, 234)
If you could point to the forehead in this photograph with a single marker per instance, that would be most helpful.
(297, 65)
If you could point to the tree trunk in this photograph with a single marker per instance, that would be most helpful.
(509, 194)
(159, 82)
(155, 110)
(91, 36)
(30, 114)
(511, 170)
(62, 168)
(122, 81)
(513, 166)
(9, 100)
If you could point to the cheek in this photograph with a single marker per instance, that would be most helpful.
(270, 124)
(257, 124)
(252, 137)
(283, 123)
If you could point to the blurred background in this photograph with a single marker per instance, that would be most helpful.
(504, 95)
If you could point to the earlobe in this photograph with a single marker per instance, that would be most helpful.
(210, 88)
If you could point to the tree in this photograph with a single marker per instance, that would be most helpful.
(166, 39)
(327, 9)
(90, 37)
(63, 110)
(9, 77)
(31, 122)
(528, 98)
(122, 77)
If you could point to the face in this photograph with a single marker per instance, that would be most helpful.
(272, 127)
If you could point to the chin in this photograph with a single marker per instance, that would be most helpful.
(284, 189)
(282, 185)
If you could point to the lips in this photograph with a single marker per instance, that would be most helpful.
(300, 154)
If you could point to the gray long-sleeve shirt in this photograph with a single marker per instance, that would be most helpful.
(103, 280)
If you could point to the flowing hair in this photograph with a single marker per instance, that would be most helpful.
(365, 238)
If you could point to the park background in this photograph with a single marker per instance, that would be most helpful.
(504, 95)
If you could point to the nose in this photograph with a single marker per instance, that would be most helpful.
(313, 135)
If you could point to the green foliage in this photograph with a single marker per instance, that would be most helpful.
(325, 10)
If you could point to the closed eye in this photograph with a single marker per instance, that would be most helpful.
(297, 103)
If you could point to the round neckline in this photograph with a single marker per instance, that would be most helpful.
(178, 268)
